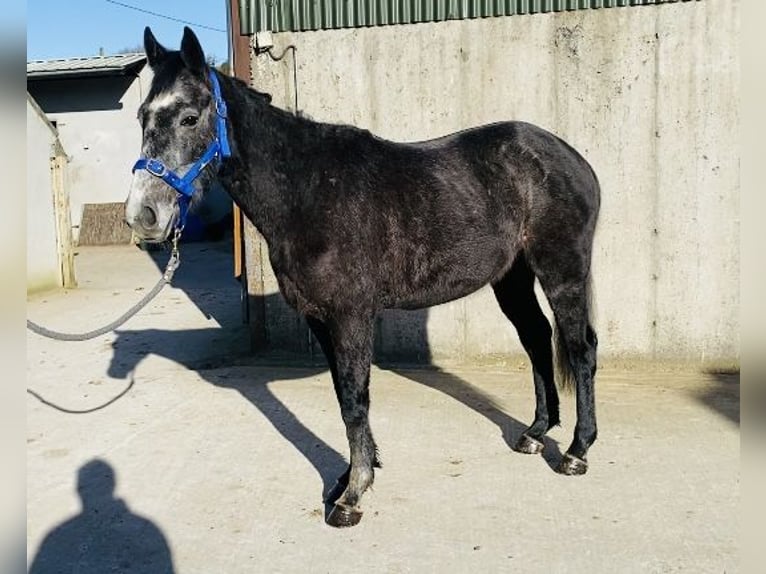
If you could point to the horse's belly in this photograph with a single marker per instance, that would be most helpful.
(430, 298)
(444, 285)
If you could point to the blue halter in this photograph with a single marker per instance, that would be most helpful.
(218, 149)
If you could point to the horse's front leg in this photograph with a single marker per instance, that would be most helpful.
(352, 343)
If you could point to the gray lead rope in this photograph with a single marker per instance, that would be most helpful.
(170, 269)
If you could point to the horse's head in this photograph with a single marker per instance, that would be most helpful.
(181, 124)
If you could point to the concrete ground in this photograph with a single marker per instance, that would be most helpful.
(212, 461)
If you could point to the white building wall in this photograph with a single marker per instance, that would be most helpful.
(100, 132)
(43, 269)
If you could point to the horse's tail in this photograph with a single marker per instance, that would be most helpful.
(564, 372)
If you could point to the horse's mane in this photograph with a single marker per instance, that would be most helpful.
(250, 90)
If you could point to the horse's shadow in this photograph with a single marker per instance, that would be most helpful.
(473, 397)
(208, 350)
(182, 347)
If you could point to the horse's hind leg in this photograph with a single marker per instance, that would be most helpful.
(351, 338)
(566, 284)
(516, 295)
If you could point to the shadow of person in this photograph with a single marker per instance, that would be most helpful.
(105, 537)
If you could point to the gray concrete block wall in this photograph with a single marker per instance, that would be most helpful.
(648, 94)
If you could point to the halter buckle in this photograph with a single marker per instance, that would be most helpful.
(156, 167)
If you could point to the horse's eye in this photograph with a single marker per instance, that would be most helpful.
(189, 121)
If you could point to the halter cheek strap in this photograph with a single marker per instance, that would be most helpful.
(218, 149)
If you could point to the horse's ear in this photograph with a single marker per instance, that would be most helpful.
(191, 52)
(155, 52)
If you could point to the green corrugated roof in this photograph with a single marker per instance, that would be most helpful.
(301, 15)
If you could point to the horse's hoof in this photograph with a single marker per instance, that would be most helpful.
(342, 516)
(529, 445)
(572, 466)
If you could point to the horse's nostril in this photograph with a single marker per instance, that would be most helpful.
(148, 217)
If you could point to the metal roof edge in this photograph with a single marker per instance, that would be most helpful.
(114, 68)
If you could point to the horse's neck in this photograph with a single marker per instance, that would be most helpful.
(260, 174)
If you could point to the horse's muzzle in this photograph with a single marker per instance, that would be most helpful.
(147, 224)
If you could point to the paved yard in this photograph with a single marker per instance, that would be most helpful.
(215, 462)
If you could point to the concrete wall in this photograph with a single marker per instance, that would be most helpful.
(648, 94)
(96, 120)
(43, 269)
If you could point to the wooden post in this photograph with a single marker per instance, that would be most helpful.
(64, 241)
(240, 68)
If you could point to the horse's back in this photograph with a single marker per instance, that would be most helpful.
(419, 224)
(484, 192)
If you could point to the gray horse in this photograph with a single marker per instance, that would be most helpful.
(356, 224)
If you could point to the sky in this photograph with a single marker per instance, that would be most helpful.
(78, 28)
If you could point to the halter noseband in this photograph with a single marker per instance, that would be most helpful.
(218, 149)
